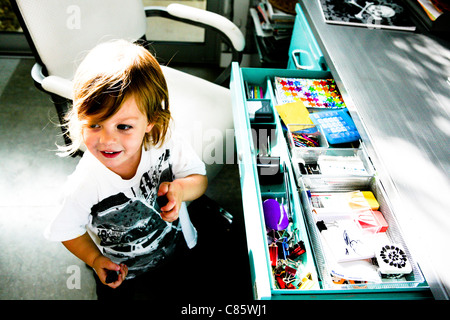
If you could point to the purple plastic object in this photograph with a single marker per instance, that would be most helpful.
(275, 215)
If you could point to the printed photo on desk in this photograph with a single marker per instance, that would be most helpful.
(381, 14)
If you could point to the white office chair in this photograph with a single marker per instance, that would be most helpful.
(61, 32)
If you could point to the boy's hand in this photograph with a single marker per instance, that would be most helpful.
(174, 194)
(103, 264)
(183, 189)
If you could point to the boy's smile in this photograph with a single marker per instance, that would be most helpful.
(110, 154)
(117, 141)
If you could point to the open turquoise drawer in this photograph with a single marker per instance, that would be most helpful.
(262, 145)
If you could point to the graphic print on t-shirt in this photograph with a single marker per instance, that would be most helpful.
(130, 229)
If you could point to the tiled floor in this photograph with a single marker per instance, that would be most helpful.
(30, 177)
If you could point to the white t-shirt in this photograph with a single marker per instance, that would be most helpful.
(122, 215)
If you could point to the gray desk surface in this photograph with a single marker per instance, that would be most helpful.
(397, 83)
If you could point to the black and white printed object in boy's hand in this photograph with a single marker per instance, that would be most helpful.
(111, 276)
(392, 260)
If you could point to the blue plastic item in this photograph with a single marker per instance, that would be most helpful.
(337, 125)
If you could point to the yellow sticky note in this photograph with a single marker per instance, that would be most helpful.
(294, 113)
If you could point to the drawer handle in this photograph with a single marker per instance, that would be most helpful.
(296, 53)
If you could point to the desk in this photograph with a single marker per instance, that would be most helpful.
(398, 83)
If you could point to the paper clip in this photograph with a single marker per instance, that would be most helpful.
(307, 282)
(285, 246)
(297, 250)
(280, 281)
(273, 252)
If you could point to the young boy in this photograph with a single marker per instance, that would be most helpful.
(110, 218)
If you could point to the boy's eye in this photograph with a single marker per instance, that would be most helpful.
(94, 126)
(124, 127)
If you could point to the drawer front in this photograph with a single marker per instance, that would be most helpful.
(304, 52)
(255, 192)
(245, 157)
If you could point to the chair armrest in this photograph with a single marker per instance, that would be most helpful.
(205, 19)
(37, 75)
(211, 19)
(51, 84)
(59, 86)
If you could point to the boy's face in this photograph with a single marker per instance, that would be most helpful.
(117, 141)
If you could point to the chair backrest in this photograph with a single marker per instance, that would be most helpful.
(63, 31)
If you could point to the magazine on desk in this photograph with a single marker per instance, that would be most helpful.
(376, 14)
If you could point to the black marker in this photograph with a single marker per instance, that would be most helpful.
(162, 201)
(111, 276)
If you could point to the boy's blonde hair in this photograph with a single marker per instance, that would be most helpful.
(108, 75)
